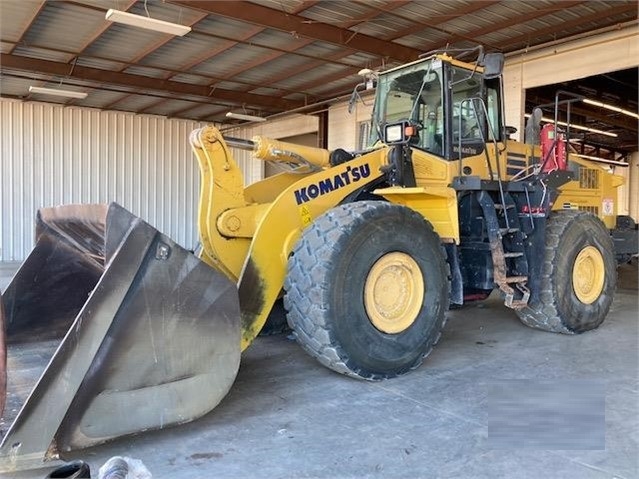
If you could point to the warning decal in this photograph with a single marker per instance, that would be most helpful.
(608, 206)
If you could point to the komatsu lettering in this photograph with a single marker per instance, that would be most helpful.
(351, 175)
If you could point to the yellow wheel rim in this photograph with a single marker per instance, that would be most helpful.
(394, 292)
(588, 275)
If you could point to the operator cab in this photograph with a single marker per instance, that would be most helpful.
(450, 106)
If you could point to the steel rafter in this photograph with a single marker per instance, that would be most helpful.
(141, 82)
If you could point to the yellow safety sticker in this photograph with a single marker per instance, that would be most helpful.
(305, 215)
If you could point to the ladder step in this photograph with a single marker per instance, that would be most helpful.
(513, 255)
(518, 304)
(505, 231)
(499, 206)
(516, 279)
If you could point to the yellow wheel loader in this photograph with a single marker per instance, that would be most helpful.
(368, 249)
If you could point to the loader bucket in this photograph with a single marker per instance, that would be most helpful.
(111, 328)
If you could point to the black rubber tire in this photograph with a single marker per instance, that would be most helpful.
(559, 310)
(72, 470)
(325, 289)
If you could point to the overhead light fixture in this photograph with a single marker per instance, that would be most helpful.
(577, 127)
(369, 76)
(58, 92)
(242, 116)
(611, 107)
(603, 160)
(582, 128)
(149, 23)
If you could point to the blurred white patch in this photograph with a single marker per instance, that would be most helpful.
(558, 414)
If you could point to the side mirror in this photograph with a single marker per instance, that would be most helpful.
(430, 77)
(354, 97)
(510, 130)
(493, 65)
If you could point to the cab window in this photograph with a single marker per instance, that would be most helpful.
(412, 94)
(466, 121)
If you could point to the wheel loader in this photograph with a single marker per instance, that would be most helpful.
(368, 250)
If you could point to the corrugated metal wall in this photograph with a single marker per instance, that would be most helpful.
(53, 155)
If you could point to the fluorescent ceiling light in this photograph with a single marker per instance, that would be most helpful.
(241, 116)
(602, 160)
(610, 107)
(149, 23)
(577, 127)
(58, 92)
(583, 128)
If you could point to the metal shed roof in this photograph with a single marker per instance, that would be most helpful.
(263, 56)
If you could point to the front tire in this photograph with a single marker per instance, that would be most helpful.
(579, 275)
(367, 289)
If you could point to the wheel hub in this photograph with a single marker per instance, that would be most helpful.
(394, 292)
(588, 275)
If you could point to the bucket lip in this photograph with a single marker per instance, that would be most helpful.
(191, 297)
(83, 226)
(87, 212)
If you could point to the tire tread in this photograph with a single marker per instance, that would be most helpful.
(311, 261)
(547, 316)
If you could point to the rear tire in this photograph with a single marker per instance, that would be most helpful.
(367, 289)
(579, 275)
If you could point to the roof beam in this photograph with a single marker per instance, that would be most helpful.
(330, 58)
(433, 22)
(105, 26)
(299, 44)
(566, 26)
(142, 82)
(95, 36)
(246, 36)
(36, 11)
(181, 111)
(388, 8)
(295, 24)
(222, 47)
(327, 79)
(519, 19)
(163, 70)
(160, 43)
(263, 59)
(614, 86)
(348, 69)
(151, 49)
(610, 118)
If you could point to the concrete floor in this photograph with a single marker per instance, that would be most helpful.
(289, 417)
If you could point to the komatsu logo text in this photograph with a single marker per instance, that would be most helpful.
(351, 175)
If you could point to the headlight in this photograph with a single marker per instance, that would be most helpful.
(393, 133)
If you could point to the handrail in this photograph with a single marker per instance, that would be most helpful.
(474, 101)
